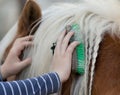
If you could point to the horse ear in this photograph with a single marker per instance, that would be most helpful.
(29, 17)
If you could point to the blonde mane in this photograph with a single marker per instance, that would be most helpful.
(95, 18)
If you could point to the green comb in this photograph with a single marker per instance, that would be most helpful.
(78, 60)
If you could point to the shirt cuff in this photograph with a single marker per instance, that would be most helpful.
(53, 82)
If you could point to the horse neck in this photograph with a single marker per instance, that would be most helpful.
(107, 72)
(107, 77)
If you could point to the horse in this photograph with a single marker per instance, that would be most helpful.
(100, 26)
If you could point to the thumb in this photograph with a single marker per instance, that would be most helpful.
(25, 63)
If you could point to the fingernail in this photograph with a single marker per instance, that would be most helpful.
(68, 28)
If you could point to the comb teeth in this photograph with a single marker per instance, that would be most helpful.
(78, 59)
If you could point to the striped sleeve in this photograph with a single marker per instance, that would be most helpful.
(43, 85)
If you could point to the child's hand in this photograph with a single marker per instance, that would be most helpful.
(13, 65)
(63, 56)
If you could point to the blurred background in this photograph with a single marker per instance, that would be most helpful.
(11, 9)
(46, 3)
(9, 14)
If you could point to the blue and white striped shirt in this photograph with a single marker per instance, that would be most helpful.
(43, 85)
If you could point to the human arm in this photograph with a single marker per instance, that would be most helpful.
(43, 85)
(14, 65)
(61, 65)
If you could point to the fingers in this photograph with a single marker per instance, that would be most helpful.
(60, 39)
(27, 38)
(66, 41)
(23, 64)
(62, 44)
(23, 39)
(27, 43)
(21, 43)
(71, 47)
(24, 45)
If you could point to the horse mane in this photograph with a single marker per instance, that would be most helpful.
(95, 18)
